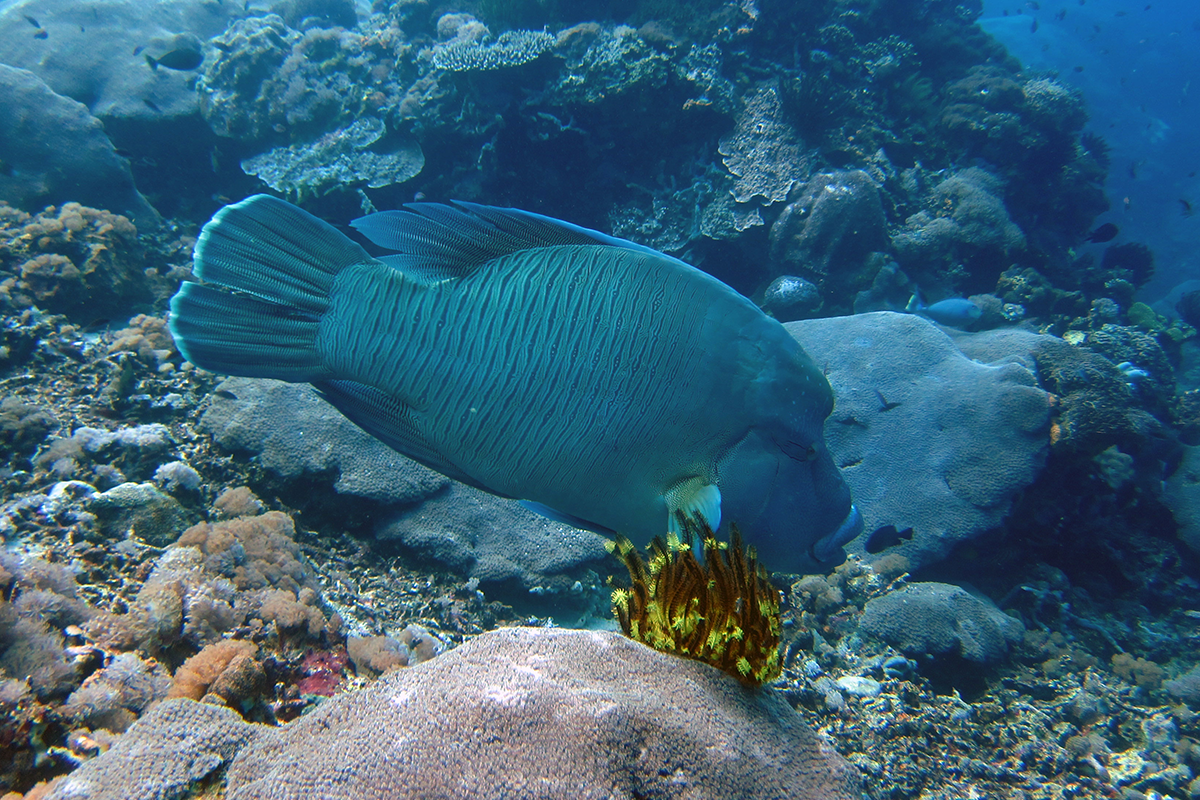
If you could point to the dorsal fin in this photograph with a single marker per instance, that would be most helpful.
(436, 242)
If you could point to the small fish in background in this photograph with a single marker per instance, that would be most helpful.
(150, 104)
(184, 54)
(1105, 233)
(40, 33)
(181, 59)
(1132, 372)
(1188, 209)
(1033, 28)
(1061, 15)
(884, 403)
(887, 536)
(954, 312)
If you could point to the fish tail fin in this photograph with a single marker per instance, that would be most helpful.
(268, 268)
(152, 61)
(916, 303)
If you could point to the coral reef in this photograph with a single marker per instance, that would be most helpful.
(139, 510)
(829, 230)
(509, 549)
(267, 83)
(78, 261)
(1057, 475)
(23, 427)
(204, 738)
(217, 578)
(511, 552)
(606, 65)
(113, 697)
(55, 151)
(1093, 408)
(260, 417)
(533, 694)
(723, 612)
(790, 297)
(963, 238)
(936, 619)
(930, 440)
(226, 671)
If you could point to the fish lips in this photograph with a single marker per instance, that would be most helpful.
(828, 549)
(796, 512)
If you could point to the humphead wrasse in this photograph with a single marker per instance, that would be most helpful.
(605, 383)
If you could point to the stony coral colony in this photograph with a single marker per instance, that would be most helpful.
(867, 153)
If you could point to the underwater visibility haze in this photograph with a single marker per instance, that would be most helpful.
(614, 399)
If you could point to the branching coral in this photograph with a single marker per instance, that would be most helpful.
(723, 612)
(511, 49)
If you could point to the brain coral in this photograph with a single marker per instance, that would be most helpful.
(938, 618)
(176, 745)
(518, 712)
(927, 438)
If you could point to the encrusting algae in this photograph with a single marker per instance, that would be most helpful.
(724, 612)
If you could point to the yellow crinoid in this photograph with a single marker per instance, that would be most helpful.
(724, 611)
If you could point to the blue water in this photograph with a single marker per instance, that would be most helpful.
(1138, 66)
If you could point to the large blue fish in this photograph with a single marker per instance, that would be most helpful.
(609, 385)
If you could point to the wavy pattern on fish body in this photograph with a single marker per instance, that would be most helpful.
(554, 367)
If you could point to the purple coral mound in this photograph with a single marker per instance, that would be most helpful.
(525, 712)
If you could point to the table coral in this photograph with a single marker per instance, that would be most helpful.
(510, 49)
(337, 160)
(764, 152)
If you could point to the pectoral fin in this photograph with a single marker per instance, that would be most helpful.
(696, 498)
